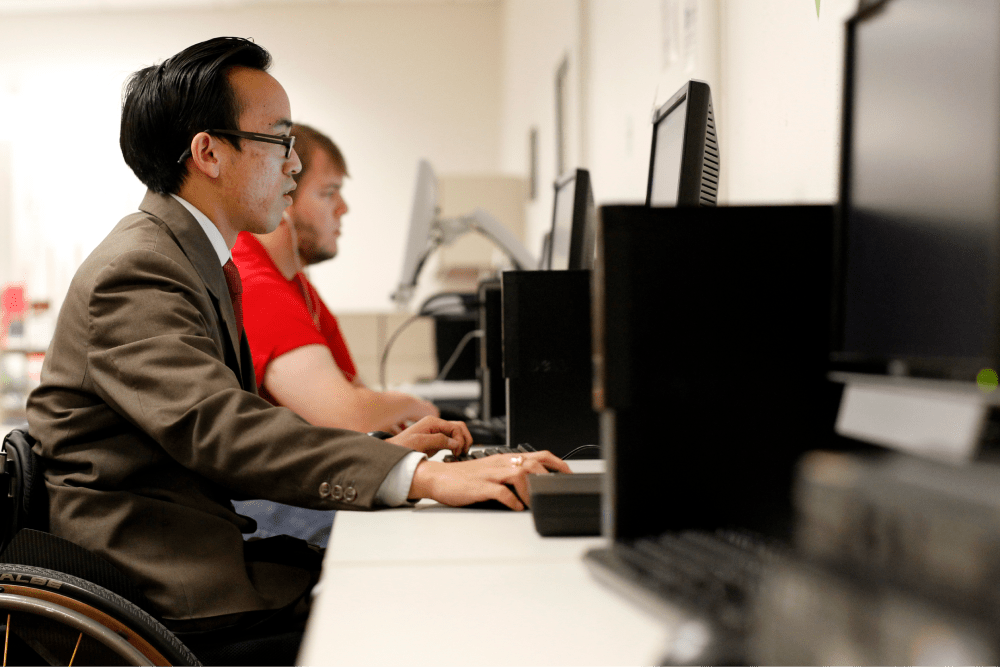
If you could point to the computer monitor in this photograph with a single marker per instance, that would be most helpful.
(545, 258)
(571, 241)
(919, 232)
(684, 160)
(418, 239)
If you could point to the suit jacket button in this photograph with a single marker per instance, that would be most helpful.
(350, 493)
(324, 490)
(338, 492)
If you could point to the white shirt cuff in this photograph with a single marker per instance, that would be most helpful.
(396, 486)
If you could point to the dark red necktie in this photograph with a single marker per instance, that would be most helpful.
(235, 293)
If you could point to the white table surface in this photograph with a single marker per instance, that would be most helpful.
(434, 585)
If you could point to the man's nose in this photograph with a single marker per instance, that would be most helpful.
(293, 164)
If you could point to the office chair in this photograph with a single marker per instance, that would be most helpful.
(61, 603)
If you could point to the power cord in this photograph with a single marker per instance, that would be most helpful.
(388, 346)
(580, 449)
(475, 333)
(565, 456)
(425, 310)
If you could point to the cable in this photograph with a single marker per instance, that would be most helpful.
(424, 311)
(475, 333)
(578, 449)
(388, 346)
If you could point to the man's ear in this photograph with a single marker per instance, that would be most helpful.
(205, 154)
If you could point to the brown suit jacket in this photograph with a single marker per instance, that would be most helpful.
(148, 417)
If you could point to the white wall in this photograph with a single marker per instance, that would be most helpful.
(782, 98)
(633, 75)
(458, 83)
(774, 66)
(537, 37)
(618, 75)
(390, 82)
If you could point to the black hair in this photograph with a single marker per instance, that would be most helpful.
(165, 105)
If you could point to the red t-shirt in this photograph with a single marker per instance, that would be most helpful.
(276, 315)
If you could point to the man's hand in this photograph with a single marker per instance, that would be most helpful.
(411, 408)
(432, 434)
(487, 478)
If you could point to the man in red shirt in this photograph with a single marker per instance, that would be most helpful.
(300, 357)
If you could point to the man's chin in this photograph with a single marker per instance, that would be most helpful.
(315, 256)
(267, 226)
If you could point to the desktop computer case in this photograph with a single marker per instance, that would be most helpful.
(547, 360)
(711, 339)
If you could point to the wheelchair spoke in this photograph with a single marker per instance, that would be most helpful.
(75, 648)
(6, 639)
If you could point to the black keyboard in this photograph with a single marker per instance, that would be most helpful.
(714, 576)
(490, 450)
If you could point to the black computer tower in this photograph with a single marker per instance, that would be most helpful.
(547, 360)
(712, 329)
(493, 398)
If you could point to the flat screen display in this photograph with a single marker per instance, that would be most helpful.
(667, 154)
(921, 239)
(562, 225)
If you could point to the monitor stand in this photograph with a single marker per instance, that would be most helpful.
(932, 418)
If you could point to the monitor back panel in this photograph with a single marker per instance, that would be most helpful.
(711, 330)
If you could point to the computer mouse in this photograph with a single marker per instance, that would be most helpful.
(493, 503)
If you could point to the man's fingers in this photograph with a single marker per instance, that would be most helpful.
(520, 484)
(455, 430)
(533, 466)
(507, 497)
(550, 461)
(461, 433)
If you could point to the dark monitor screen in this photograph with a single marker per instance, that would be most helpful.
(920, 225)
(684, 160)
(571, 241)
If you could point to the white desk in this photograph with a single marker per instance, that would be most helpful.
(434, 585)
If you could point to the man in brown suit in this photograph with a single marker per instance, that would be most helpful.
(147, 415)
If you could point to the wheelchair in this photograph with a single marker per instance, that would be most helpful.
(61, 604)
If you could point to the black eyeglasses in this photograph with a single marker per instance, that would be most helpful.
(286, 141)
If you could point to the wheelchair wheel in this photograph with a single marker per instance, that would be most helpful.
(51, 618)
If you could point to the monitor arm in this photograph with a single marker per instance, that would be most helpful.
(484, 223)
(445, 231)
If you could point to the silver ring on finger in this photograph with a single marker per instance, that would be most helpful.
(516, 461)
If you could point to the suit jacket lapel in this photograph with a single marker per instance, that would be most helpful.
(248, 378)
(195, 244)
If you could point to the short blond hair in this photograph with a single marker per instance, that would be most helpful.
(308, 140)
